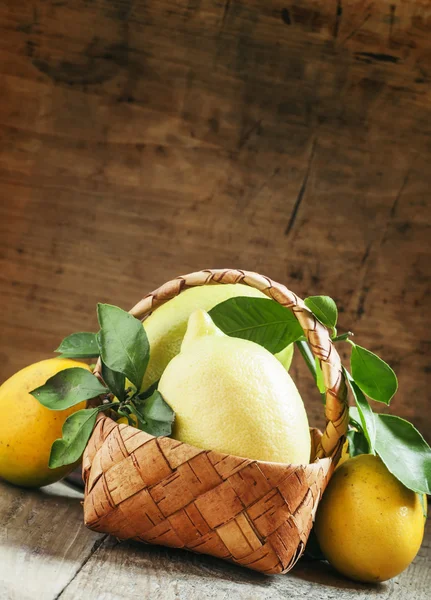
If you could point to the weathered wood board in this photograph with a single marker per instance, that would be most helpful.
(47, 554)
(141, 140)
(43, 541)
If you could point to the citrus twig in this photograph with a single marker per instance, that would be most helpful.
(344, 337)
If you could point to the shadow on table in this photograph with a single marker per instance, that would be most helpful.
(317, 571)
(208, 566)
(199, 564)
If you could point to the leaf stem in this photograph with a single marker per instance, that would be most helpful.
(344, 337)
(108, 406)
(307, 355)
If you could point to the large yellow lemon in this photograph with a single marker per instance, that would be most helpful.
(166, 326)
(233, 396)
(28, 429)
(369, 525)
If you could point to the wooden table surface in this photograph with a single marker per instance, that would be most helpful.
(46, 553)
(142, 139)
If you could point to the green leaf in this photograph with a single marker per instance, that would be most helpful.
(259, 320)
(422, 500)
(79, 345)
(149, 391)
(76, 432)
(68, 388)
(123, 343)
(155, 416)
(365, 412)
(115, 381)
(404, 452)
(319, 376)
(285, 356)
(354, 418)
(324, 309)
(375, 378)
(312, 365)
(358, 443)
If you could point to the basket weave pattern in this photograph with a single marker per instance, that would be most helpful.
(161, 491)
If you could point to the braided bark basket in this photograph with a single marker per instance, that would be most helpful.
(161, 491)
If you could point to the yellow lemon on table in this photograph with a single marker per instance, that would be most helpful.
(368, 524)
(28, 429)
(233, 396)
(166, 326)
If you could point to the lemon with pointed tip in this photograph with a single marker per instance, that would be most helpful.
(166, 326)
(233, 396)
(28, 429)
(369, 525)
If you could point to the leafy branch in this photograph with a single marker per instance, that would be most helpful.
(123, 348)
(398, 443)
(400, 446)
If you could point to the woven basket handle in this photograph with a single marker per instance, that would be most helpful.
(336, 408)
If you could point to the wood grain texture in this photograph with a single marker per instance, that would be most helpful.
(47, 554)
(43, 541)
(158, 138)
(164, 574)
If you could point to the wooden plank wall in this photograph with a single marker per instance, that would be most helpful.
(142, 139)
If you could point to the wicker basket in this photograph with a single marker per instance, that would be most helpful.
(161, 491)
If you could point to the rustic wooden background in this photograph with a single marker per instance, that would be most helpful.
(142, 139)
